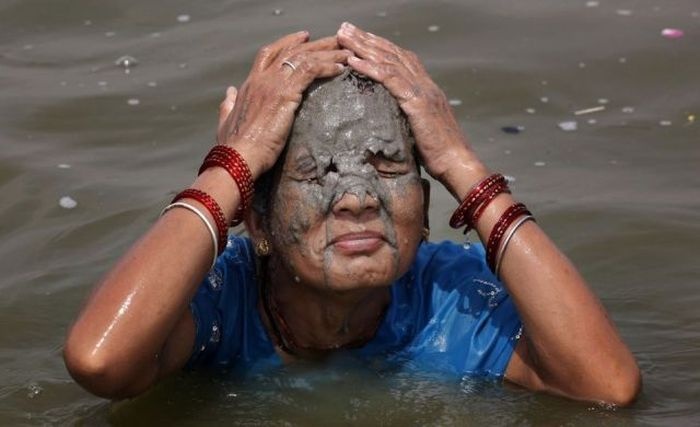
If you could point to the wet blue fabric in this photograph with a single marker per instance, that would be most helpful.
(448, 314)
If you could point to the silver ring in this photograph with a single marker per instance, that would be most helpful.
(290, 65)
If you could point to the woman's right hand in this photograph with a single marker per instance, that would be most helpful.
(264, 108)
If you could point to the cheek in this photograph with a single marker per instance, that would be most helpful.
(296, 210)
(407, 210)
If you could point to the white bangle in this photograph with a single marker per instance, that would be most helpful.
(204, 220)
(511, 232)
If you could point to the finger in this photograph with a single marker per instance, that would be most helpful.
(227, 105)
(304, 62)
(269, 53)
(326, 43)
(393, 77)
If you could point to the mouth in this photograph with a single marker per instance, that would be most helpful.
(364, 242)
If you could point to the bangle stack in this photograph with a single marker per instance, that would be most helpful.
(474, 205)
(230, 160)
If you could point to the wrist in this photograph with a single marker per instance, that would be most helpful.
(462, 173)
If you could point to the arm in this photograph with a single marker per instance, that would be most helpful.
(135, 327)
(570, 347)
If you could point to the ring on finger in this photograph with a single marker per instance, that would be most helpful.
(290, 64)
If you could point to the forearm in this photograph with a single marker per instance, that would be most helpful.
(574, 348)
(124, 326)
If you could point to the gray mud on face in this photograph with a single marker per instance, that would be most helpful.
(341, 125)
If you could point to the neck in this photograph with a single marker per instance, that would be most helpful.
(313, 321)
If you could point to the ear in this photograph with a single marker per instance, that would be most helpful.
(426, 202)
(254, 224)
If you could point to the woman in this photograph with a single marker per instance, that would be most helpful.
(336, 227)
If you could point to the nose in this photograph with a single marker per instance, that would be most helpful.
(356, 202)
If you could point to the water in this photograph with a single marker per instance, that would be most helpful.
(620, 194)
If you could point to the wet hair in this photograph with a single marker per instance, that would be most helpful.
(358, 83)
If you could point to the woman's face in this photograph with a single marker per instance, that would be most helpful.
(347, 209)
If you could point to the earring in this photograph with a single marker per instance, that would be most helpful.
(262, 248)
(426, 234)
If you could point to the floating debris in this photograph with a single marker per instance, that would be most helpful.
(102, 83)
(539, 164)
(691, 119)
(277, 12)
(530, 110)
(568, 126)
(544, 100)
(592, 121)
(183, 18)
(513, 130)
(627, 110)
(665, 123)
(592, 4)
(603, 101)
(589, 110)
(133, 101)
(434, 28)
(623, 12)
(67, 202)
(672, 33)
(455, 102)
(110, 34)
(126, 62)
(63, 166)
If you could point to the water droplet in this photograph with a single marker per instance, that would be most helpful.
(530, 110)
(155, 35)
(544, 82)
(434, 28)
(381, 14)
(603, 101)
(592, 4)
(568, 126)
(182, 65)
(102, 83)
(63, 166)
(539, 164)
(665, 123)
(110, 34)
(87, 22)
(582, 65)
(28, 47)
(509, 178)
(183, 18)
(232, 395)
(297, 279)
(133, 101)
(622, 60)
(455, 102)
(592, 121)
(628, 110)
(277, 12)
(64, 84)
(126, 62)
(152, 84)
(624, 12)
(67, 202)
(34, 390)
(544, 100)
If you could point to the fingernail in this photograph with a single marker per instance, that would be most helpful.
(353, 59)
(348, 25)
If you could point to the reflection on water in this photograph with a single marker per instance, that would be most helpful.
(108, 107)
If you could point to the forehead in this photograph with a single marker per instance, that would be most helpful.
(338, 116)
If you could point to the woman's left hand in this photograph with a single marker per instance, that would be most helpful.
(438, 136)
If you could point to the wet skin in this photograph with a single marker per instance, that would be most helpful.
(347, 207)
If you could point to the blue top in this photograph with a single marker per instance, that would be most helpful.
(447, 314)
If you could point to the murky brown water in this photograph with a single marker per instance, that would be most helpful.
(621, 195)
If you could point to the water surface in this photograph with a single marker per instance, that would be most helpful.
(620, 195)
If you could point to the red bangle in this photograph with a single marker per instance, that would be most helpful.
(464, 213)
(230, 160)
(213, 208)
(484, 202)
(504, 222)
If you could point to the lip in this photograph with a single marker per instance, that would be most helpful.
(363, 242)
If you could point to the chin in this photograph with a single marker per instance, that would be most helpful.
(360, 271)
